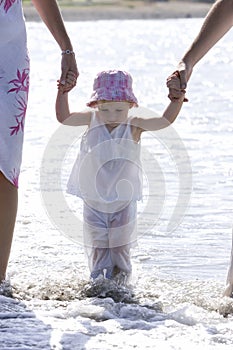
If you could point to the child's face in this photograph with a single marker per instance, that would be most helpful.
(113, 113)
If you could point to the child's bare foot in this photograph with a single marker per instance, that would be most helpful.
(120, 277)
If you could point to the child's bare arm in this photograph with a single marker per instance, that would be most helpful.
(63, 111)
(173, 109)
(62, 106)
(169, 115)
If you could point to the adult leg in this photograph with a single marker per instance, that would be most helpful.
(8, 210)
(229, 288)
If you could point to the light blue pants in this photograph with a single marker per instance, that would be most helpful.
(108, 238)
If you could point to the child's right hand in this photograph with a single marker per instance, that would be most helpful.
(64, 86)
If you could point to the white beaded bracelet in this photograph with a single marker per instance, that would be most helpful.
(67, 52)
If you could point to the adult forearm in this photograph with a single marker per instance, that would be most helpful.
(217, 22)
(50, 13)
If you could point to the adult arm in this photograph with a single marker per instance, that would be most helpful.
(50, 13)
(217, 22)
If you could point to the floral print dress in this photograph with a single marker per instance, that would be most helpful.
(14, 85)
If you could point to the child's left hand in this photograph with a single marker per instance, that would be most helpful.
(173, 83)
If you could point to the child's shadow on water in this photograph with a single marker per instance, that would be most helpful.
(20, 328)
(77, 340)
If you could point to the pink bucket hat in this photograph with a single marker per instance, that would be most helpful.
(112, 85)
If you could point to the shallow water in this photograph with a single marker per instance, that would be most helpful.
(175, 297)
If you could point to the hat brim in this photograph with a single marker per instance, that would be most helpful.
(109, 95)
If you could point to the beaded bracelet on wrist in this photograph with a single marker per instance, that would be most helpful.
(67, 52)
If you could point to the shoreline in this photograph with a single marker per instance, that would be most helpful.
(157, 10)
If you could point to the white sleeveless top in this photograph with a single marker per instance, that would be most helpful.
(108, 168)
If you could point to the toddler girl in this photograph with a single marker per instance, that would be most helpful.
(107, 173)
